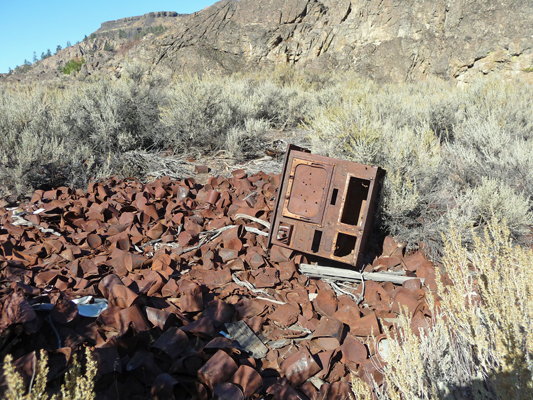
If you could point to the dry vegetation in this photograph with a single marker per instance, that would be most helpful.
(480, 344)
(459, 154)
(78, 384)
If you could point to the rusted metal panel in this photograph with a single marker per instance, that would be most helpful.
(307, 190)
(325, 206)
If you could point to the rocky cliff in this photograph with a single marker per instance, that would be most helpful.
(385, 40)
(392, 40)
(131, 26)
(105, 49)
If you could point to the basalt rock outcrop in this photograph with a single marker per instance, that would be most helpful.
(391, 40)
(384, 40)
(130, 26)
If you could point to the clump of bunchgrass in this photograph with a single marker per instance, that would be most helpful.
(78, 385)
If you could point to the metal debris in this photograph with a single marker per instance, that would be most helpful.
(179, 273)
(325, 206)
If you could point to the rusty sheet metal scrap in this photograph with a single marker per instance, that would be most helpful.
(325, 206)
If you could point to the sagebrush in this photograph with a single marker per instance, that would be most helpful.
(480, 342)
(459, 153)
(66, 134)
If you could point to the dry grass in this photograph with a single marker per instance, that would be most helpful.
(450, 153)
(480, 345)
(78, 385)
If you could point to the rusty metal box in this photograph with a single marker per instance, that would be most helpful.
(325, 206)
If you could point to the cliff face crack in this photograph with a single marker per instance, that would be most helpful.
(466, 67)
(214, 21)
(411, 67)
(325, 43)
(347, 13)
(229, 11)
(275, 41)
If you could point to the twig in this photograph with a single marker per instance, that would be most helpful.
(255, 230)
(34, 362)
(251, 287)
(206, 237)
(217, 232)
(209, 236)
(339, 290)
(150, 243)
(299, 328)
(156, 241)
(247, 285)
(18, 220)
(250, 195)
(272, 301)
(202, 242)
(266, 224)
(362, 296)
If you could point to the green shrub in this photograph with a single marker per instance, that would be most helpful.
(156, 30)
(108, 47)
(74, 65)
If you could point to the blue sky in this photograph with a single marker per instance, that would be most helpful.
(38, 25)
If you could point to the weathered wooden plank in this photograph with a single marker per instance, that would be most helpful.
(340, 274)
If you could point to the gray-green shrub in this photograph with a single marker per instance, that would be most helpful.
(69, 133)
(451, 153)
(459, 153)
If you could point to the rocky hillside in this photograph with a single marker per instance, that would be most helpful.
(385, 40)
(396, 40)
(104, 50)
(131, 26)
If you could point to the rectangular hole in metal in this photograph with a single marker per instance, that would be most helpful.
(355, 203)
(345, 245)
(317, 237)
(334, 196)
(284, 233)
